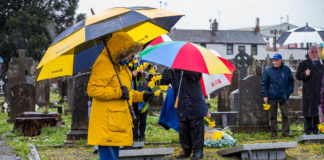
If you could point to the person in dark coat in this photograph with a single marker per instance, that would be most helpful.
(277, 85)
(310, 71)
(191, 110)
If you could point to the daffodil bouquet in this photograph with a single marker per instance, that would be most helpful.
(209, 122)
(155, 86)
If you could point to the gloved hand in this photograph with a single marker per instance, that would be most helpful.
(148, 96)
(125, 92)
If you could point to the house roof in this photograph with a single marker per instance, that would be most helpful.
(220, 36)
(267, 27)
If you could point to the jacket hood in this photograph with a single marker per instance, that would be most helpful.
(121, 47)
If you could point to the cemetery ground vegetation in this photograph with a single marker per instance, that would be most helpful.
(50, 143)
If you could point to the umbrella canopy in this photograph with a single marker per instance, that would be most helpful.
(304, 34)
(158, 40)
(212, 82)
(77, 48)
(186, 56)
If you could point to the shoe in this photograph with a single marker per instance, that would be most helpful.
(273, 135)
(142, 139)
(287, 135)
(183, 155)
(198, 155)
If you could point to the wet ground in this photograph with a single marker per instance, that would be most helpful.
(5, 152)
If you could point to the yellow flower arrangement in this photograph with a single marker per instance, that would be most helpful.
(135, 61)
(321, 127)
(146, 64)
(217, 135)
(151, 84)
(210, 122)
(130, 64)
(159, 77)
(154, 79)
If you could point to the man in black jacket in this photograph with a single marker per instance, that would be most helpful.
(277, 85)
(310, 71)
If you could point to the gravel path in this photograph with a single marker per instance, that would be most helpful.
(5, 152)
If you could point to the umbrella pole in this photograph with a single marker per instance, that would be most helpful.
(177, 99)
(129, 106)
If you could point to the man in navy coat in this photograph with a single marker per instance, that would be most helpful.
(277, 85)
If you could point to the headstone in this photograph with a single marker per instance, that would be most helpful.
(251, 116)
(224, 119)
(156, 104)
(22, 99)
(242, 62)
(145, 154)
(264, 151)
(63, 87)
(20, 69)
(234, 97)
(224, 100)
(316, 138)
(79, 106)
(295, 109)
(43, 93)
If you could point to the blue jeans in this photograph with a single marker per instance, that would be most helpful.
(108, 152)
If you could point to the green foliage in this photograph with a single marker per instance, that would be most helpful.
(156, 133)
(213, 104)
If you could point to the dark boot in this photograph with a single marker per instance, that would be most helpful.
(198, 155)
(183, 155)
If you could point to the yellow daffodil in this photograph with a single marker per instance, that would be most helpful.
(321, 127)
(266, 106)
(212, 124)
(157, 93)
(141, 67)
(130, 64)
(152, 71)
(159, 77)
(146, 64)
(163, 87)
(151, 84)
(154, 79)
(217, 135)
(135, 61)
(137, 69)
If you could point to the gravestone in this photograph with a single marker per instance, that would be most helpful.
(316, 138)
(234, 97)
(79, 106)
(156, 104)
(251, 116)
(43, 92)
(20, 69)
(295, 109)
(145, 154)
(63, 87)
(242, 62)
(259, 151)
(224, 119)
(22, 99)
(224, 100)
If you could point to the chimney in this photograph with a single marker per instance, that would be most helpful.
(214, 26)
(257, 26)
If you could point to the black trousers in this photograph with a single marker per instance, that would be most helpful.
(310, 125)
(191, 135)
(139, 126)
(284, 115)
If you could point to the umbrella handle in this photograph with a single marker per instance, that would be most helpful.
(177, 99)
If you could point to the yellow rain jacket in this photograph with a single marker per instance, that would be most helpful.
(110, 120)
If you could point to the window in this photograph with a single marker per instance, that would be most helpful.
(203, 44)
(229, 49)
(254, 49)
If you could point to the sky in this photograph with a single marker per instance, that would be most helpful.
(231, 14)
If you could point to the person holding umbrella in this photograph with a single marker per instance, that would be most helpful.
(310, 71)
(190, 110)
(110, 86)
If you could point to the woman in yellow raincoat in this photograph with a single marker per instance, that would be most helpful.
(110, 124)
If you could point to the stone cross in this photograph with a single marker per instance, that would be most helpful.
(242, 62)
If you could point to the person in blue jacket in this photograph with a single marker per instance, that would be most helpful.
(277, 85)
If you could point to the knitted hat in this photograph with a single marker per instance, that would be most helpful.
(121, 46)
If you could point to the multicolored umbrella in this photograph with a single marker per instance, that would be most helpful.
(185, 56)
(158, 40)
(76, 48)
(212, 82)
